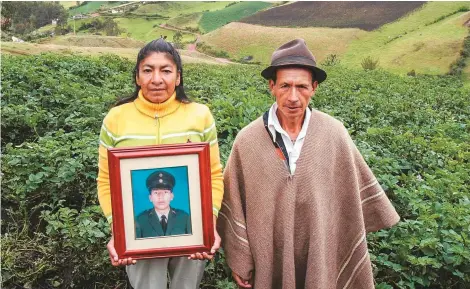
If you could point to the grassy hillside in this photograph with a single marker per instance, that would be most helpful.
(426, 41)
(93, 6)
(240, 39)
(68, 4)
(94, 41)
(177, 8)
(187, 20)
(146, 30)
(336, 14)
(213, 20)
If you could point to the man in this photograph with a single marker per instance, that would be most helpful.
(161, 219)
(299, 198)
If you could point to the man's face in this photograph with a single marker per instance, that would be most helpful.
(293, 90)
(161, 198)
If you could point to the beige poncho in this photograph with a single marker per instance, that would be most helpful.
(306, 230)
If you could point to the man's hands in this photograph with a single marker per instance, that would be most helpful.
(215, 247)
(242, 282)
(113, 256)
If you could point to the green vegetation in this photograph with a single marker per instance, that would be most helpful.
(148, 29)
(178, 8)
(93, 6)
(23, 17)
(369, 64)
(212, 20)
(188, 21)
(413, 132)
(416, 42)
(68, 4)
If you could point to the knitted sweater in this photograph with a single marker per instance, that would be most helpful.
(306, 230)
(141, 123)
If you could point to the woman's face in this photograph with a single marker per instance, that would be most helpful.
(157, 77)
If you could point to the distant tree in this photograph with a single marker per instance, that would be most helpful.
(110, 27)
(177, 39)
(28, 16)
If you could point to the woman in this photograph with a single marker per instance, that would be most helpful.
(159, 112)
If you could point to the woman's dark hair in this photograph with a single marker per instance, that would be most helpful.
(158, 45)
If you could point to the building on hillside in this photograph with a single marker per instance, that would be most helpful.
(80, 16)
(54, 21)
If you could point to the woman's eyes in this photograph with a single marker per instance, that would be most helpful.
(148, 70)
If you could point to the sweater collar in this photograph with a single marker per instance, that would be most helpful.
(156, 109)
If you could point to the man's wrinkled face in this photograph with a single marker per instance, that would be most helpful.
(293, 90)
(161, 199)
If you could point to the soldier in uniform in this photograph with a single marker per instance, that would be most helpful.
(162, 219)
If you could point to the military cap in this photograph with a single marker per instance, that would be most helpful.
(160, 180)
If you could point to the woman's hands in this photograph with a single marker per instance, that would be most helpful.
(113, 256)
(215, 247)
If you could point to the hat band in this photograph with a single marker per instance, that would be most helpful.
(294, 59)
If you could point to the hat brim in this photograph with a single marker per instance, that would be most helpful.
(318, 74)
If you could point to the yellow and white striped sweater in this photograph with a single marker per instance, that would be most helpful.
(141, 123)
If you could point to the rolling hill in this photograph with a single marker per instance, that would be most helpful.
(427, 40)
(241, 39)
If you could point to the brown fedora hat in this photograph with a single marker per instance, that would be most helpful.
(294, 53)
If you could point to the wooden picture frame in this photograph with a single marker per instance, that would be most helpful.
(133, 228)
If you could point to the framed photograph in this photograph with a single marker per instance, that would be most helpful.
(162, 200)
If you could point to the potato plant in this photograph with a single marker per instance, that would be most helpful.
(413, 131)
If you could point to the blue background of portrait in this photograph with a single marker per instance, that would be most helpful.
(140, 193)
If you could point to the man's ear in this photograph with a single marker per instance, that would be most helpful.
(315, 85)
(271, 85)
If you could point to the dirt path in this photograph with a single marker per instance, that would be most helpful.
(27, 48)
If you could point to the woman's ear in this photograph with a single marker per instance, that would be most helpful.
(137, 79)
(178, 78)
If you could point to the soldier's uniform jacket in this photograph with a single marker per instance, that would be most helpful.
(147, 224)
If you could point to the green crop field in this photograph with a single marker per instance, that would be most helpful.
(413, 132)
(216, 19)
(177, 8)
(148, 29)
